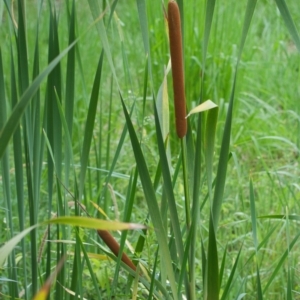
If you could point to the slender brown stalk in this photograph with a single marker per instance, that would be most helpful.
(177, 67)
(113, 245)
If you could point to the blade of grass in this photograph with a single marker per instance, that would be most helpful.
(108, 143)
(51, 127)
(287, 18)
(210, 132)
(88, 222)
(197, 157)
(76, 285)
(89, 127)
(10, 245)
(254, 233)
(224, 153)
(222, 267)
(212, 260)
(168, 188)
(90, 267)
(161, 290)
(281, 217)
(6, 186)
(141, 7)
(44, 291)
(70, 88)
(23, 75)
(127, 215)
(289, 291)
(85, 222)
(18, 164)
(288, 288)
(54, 91)
(211, 290)
(61, 250)
(230, 279)
(150, 296)
(151, 202)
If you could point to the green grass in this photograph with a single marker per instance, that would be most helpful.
(86, 117)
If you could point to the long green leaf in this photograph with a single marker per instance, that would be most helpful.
(10, 245)
(7, 184)
(210, 6)
(212, 275)
(254, 233)
(287, 18)
(151, 202)
(89, 127)
(168, 189)
(141, 6)
(224, 153)
(72, 221)
(210, 132)
(230, 279)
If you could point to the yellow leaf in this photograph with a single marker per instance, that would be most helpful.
(94, 223)
(207, 105)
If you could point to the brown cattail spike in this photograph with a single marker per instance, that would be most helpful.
(177, 68)
(115, 247)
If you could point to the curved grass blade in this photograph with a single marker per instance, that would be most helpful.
(207, 105)
(44, 291)
(161, 290)
(168, 188)
(87, 222)
(224, 153)
(90, 122)
(89, 265)
(151, 202)
(212, 276)
(9, 246)
(285, 13)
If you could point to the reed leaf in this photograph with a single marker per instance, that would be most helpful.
(151, 202)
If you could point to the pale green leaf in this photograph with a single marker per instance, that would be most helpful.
(207, 105)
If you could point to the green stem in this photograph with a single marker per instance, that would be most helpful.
(186, 184)
(188, 216)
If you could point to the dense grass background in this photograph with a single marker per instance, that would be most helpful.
(89, 157)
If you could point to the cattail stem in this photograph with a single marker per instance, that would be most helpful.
(186, 185)
(177, 67)
(113, 245)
